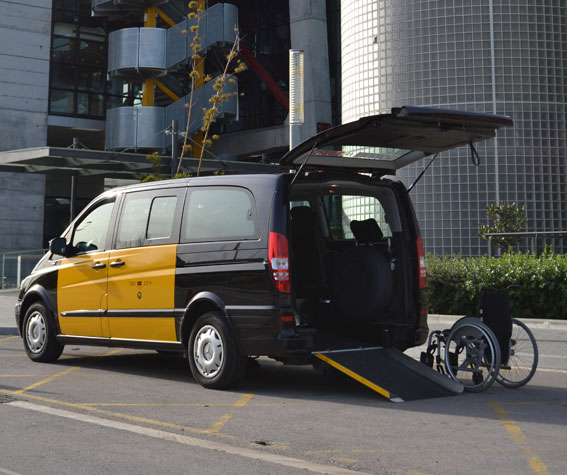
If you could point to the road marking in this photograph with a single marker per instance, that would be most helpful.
(11, 337)
(536, 403)
(552, 370)
(186, 440)
(63, 373)
(128, 417)
(244, 399)
(155, 404)
(217, 426)
(535, 462)
(45, 381)
(8, 472)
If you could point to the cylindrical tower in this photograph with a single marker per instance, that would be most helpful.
(495, 56)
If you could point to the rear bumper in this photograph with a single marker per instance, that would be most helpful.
(286, 344)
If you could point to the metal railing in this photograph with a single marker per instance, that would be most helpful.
(16, 265)
(534, 236)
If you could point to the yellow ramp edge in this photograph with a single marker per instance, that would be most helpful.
(359, 378)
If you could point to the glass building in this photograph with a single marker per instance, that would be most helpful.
(495, 56)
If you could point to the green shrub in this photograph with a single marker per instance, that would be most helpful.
(455, 283)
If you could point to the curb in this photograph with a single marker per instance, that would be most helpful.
(530, 322)
(9, 292)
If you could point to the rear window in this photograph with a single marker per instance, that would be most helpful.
(219, 214)
(341, 210)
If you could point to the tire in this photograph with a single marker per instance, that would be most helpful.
(523, 358)
(362, 283)
(213, 354)
(39, 335)
(472, 355)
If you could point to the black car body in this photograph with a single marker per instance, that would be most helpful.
(324, 252)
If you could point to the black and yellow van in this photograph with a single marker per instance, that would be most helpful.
(278, 264)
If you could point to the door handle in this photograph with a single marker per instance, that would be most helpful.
(99, 265)
(117, 263)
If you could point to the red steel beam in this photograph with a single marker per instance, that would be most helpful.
(264, 76)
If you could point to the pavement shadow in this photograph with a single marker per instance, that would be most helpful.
(267, 378)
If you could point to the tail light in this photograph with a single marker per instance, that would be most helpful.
(278, 254)
(421, 261)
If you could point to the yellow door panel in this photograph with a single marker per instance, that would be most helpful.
(81, 293)
(134, 328)
(141, 284)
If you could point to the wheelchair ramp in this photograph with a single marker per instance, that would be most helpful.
(391, 373)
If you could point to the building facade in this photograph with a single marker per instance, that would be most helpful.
(61, 77)
(105, 74)
(25, 36)
(495, 56)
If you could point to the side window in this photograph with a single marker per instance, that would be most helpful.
(162, 212)
(91, 231)
(146, 220)
(220, 214)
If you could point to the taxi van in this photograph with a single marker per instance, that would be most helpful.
(323, 252)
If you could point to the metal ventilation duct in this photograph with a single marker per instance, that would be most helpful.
(216, 28)
(137, 53)
(143, 127)
(135, 128)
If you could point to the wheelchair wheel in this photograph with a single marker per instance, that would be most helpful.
(523, 358)
(472, 354)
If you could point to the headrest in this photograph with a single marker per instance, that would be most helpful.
(301, 215)
(367, 231)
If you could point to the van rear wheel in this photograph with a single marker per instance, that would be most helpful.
(213, 354)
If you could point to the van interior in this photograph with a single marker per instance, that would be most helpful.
(350, 268)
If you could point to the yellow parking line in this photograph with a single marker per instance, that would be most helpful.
(11, 337)
(243, 400)
(536, 403)
(46, 380)
(128, 417)
(58, 375)
(154, 404)
(17, 375)
(520, 439)
(217, 426)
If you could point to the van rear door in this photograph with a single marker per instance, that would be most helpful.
(381, 144)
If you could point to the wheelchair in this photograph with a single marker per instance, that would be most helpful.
(476, 351)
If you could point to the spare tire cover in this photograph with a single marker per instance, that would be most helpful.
(362, 283)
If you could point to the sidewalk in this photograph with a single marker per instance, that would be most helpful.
(8, 299)
(530, 322)
(8, 322)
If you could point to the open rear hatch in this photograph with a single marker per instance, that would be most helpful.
(381, 144)
(378, 146)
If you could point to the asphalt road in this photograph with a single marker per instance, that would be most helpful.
(101, 410)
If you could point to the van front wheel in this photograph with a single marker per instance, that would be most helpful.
(213, 354)
(39, 335)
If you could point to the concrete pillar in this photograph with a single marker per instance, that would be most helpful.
(308, 29)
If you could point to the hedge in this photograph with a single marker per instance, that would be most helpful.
(455, 283)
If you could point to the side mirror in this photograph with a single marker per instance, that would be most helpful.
(58, 246)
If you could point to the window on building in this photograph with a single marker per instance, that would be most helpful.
(78, 61)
